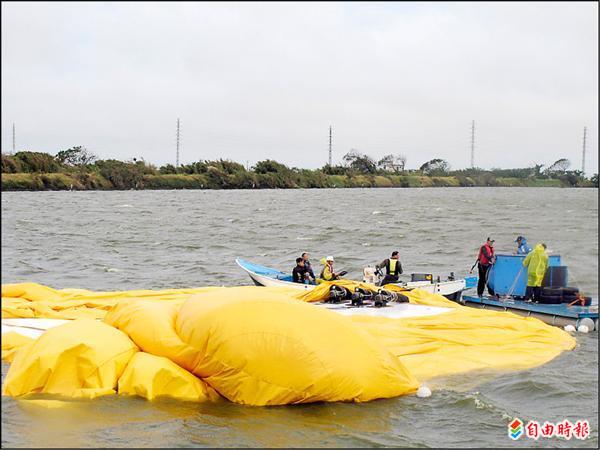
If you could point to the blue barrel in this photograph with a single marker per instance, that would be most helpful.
(509, 276)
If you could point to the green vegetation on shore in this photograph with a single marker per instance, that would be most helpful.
(77, 169)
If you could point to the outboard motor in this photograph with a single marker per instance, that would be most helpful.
(379, 302)
(359, 296)
(451, 277)
(383, 297)
(336, 294)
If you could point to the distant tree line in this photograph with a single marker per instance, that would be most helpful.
(77, 168)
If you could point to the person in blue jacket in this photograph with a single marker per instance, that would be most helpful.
(522, 247)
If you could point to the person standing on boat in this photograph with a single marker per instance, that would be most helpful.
(536, 263)
(299, 273)
(308, 266)
(485, 261)
(393, 268)
(522, 247)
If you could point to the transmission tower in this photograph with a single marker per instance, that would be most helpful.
(177, 158)
(330, 146)
(473, 145)
(583, 155)
(13, 138)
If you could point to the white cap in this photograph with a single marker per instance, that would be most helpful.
(329, 258)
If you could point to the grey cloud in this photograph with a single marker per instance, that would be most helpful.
(255, 81)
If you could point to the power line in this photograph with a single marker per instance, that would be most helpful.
(473, 145)
(583, 155)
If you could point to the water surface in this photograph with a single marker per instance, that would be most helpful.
(126, 240)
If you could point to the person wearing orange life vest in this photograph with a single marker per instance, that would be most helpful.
(393, 268)
(485, 260)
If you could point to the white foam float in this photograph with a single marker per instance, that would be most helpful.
(423, 392)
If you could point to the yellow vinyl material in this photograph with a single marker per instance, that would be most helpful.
(83, 358)
(151, 376)
(259, 346)
(536, 263)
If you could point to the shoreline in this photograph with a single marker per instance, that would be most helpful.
(60, 181)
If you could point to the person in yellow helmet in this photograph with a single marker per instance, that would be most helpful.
(536, 263)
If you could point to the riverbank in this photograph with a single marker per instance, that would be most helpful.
(95, 181)
(77, 169)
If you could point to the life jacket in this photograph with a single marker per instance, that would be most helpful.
(391, 267)
(326, 273)
(484, 260)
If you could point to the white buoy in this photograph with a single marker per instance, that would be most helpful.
(423, 392)
(569, 328)
(583, 329)
(589, 323)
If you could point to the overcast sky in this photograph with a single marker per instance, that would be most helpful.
(256, 81)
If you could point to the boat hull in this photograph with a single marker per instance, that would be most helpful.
(557, 315)
(271, 278)
(261, 280)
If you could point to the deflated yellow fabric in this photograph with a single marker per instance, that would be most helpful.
(262, 346)
(30, 291)
(422, 297)
(152, 376)
(460, 340)
(151, 325)
(84, 358)
(466, 339)
(11, 342)
(258, 347)
(27, 300)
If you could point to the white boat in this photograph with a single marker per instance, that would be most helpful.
(266, 276)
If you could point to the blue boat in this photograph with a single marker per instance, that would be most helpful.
(508, 280)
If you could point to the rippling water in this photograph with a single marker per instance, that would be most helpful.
(169, 239)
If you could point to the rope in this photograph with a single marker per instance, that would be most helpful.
(514, 284)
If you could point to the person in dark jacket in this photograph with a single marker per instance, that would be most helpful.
(485, 260)
(393, 268)
(308, 266)
(299, 273)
